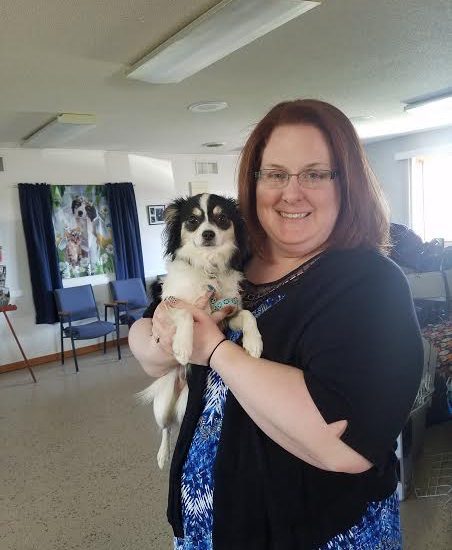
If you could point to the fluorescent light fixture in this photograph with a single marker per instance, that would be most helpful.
(433, 105)
(223, 29)
(61, 129)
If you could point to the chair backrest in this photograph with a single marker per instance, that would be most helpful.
(430, 284)
(78, 301)
(130, 290)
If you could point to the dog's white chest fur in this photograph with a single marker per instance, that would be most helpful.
(188, 283)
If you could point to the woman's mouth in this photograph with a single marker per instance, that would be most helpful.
(294, 215)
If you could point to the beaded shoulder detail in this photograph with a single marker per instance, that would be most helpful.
(252, 294)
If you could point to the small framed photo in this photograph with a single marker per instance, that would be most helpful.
(155, 213)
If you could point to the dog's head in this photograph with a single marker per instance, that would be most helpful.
(204, 225)
(83, 209)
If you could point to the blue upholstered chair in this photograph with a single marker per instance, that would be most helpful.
(130, 298)
(77, 304)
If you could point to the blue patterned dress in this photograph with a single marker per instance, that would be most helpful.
(378, 529)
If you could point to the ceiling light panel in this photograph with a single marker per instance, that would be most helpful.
(60, 130)
(225, 28)
(433, 105)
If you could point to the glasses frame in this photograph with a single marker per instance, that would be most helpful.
(258, 174)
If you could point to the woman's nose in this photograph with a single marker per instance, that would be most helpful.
(293, 189)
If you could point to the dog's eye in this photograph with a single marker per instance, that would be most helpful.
(192, 220)
(222, 218)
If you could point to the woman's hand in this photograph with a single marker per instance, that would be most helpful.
(206, 334)
(163, 328)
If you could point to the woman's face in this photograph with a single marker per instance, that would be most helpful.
(297, 221)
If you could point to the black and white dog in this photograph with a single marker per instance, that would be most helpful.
(206, 245)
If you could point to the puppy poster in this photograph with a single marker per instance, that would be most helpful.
(83, 235)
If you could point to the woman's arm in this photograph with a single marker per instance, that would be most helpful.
(275, 396)
(151, 356)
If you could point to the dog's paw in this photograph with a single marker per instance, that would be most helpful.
(162, 458)
(252, 343)
(182, 351)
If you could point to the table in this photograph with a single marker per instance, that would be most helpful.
(11, 307)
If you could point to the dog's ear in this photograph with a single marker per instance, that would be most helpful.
(242, 252)
(91, 211)
(75, 204)
(173, 225)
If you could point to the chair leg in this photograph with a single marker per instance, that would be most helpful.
(117, 335)
(105, 344)
(62, 345)
(74, 354)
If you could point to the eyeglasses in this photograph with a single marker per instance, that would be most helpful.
(308, 179)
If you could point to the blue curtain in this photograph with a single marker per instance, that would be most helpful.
(126, 231)
(36, 209)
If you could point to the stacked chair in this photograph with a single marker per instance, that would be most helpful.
(129, 296)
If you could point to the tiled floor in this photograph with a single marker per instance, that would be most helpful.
(78, 470)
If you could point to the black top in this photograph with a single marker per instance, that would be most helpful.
(349, 323)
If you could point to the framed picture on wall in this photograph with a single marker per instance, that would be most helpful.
(155, 213)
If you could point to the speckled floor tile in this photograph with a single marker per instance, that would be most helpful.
(78, 468)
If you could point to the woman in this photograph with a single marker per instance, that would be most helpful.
(295, 450)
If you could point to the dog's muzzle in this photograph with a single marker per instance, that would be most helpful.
(208, 238)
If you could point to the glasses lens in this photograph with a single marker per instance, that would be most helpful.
(273, 178)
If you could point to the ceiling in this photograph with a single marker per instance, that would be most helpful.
(364, 56)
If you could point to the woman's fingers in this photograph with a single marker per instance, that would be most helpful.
(203, 301)
(338, 428)
(220, 315)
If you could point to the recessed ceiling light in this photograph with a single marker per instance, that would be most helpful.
(213, 144)
(207, 106)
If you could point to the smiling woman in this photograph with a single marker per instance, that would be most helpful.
(301, 452)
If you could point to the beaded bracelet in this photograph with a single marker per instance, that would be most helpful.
(213, 351)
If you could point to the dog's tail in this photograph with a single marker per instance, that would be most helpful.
(147, 396)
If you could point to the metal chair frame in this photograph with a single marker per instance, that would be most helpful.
(65, 317)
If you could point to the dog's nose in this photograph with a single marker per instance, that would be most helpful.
(208, 235)
(80, 213)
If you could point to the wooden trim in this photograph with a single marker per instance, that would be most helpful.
(44, 359)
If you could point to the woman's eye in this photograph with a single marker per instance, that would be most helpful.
(277, 176)
(314, 175)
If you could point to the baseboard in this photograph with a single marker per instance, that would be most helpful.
(44, 359)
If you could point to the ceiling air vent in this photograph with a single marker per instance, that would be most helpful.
(202, 168)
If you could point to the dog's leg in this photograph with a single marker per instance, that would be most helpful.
(165, 448)
(252, 340)
(183, 338)
(181, 404)
(163, 394)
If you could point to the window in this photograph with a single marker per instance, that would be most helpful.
(431, 197)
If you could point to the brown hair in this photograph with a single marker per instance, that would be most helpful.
(363, 219)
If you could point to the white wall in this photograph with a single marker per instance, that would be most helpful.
(224, 183)
(394, 175)
(157, 181)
